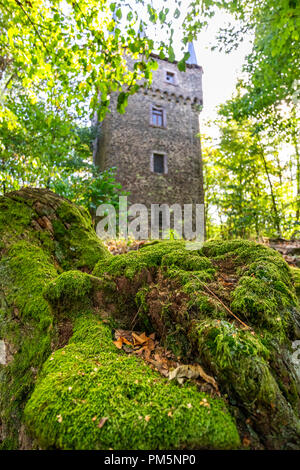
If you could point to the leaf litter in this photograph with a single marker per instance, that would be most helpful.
(164, 361)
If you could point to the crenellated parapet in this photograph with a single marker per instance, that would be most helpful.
(173, 96)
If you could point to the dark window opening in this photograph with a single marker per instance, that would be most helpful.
(170, 77)
(157, 117)
(160, 222)
(158, 163)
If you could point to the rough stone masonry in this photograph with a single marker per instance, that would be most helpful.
(155, 145)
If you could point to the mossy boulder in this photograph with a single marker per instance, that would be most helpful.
(33, 252)
(91, 396)
(230, 307)
(58, 226)
(296, 279)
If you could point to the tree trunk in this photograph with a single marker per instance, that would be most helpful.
(274, 204)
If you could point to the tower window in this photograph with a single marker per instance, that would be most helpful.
(157, 116)
(171, 77)
(159, 163)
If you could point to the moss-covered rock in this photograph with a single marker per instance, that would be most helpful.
(26, 325)
(231, 307)
(296, 279)
(90, 381)
(193, 301)
(70, 292)
(60, 227)
(33, 252)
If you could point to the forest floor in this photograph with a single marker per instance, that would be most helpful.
(289, 249)
(158, 347)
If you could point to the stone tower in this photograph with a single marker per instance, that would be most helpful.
(155, 145)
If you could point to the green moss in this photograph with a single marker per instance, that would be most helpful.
(123, 265)
(296, 279)
(265, 296)
(46, 241)
(238, 358)
(15, 220)
(9, 444)
(244, 251)
(229, 342)
(30, 269)
(73, 241)
(134, 262)
(264, 304)
(187, 261)
(26, 325)
(79, 245)
(143, 308)
(70, 292)
(90, 379)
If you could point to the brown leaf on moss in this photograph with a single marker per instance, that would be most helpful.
(246, 442)
(139, 339)
(147, 348)
(191, 371)
(119, 343)
(102, 422)
(119, 246)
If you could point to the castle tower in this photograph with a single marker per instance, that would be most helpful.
(154, 145)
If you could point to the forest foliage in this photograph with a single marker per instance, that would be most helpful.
(59, 59)
(253, 170)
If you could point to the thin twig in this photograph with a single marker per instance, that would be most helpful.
(133, 323)
(222, 303)
(32, 24)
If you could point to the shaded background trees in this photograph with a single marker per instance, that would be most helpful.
(59, 60)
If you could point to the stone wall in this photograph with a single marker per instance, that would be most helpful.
(128, 141)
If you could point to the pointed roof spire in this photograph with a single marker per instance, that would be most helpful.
(192, 60)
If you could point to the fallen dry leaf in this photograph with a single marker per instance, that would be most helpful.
(139, 339)
(119, 343)
(164, 372)
(102, 422)
(191, 371)
(246, 442)
(125, 341)
(159, 358)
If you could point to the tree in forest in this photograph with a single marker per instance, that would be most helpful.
(59, 62)
(69, 57)
(248, 185)
(266, 104)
